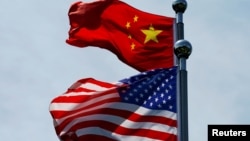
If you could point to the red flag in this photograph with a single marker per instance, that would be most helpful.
(142, 40)
(139, 108)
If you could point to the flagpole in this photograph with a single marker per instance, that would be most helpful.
(182, 49)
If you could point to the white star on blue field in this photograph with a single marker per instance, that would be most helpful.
(37, 65)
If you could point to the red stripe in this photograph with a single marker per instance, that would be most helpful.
(122, 130)
(120, 113)
(79, 90)
(76, 87)
(56, 114)
(96, 82)
(81, 98)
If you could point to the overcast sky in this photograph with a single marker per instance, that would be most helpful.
(37, 65)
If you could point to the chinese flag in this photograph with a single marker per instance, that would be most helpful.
(142, 40)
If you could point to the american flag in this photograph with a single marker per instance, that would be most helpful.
(139, 108)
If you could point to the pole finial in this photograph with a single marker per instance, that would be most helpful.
(182, 48)
(179, 6)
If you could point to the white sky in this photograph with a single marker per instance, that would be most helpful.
(36, 64)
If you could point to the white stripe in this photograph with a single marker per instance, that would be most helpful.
(93, 86)
(102, 132)
(86, 93)
(124, 106)
(80, 94)
(123, 123)
(115, 105)
(75, 106)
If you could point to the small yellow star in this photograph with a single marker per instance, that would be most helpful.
(129, 36)
(151, 34)
(135, 18)
(132, 46)
(128, 25)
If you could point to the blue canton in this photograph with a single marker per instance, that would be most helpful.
(154, 89)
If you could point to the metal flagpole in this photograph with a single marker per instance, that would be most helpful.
(182, 49)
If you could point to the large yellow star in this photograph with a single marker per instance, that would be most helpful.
(151, 34)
